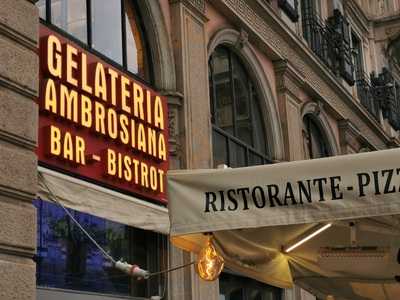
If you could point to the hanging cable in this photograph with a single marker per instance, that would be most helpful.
(132, 270)
(172, 269)
(54, 199)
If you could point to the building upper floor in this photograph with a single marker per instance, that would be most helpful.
(358, 41)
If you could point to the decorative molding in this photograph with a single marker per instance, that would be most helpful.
(357, 15)
(289, 79)
(160, 45)
(17, 250)
(349, 135)
(393, 143)
(16, 193)
(18, 88)
(316, 109)
(16, 36)
(175, 102)
(17, 140)
(174, 98)
(243, 40)
(198, 5)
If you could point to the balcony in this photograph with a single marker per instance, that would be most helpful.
(365, 93)
(386, 93)
(330, 41)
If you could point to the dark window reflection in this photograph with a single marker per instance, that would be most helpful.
(220, 149)
(233, 287)
(66, 259)
(236, 113)
(315, 145)
(223, 93)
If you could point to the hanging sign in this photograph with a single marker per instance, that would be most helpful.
(99, 123)
(334, 188)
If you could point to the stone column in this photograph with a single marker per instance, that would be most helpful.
(190, 50)
(18, 163)
(289, 91)
(194, 128)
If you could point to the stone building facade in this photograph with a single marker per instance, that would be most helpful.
(323, 79)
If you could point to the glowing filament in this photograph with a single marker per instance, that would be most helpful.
(210, 263)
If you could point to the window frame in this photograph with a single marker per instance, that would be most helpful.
(310, 119)
(292, 11)
(233, 138)
(358, 59)
(88, 46)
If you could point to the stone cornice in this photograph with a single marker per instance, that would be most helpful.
(17, 140)
(285, 68)
(17, 250)
(350, 134)
(16, 36)
(197, 6)
(357, 15)
(18, 88)
(387, 20)
(16, 193)
(288, 78)
(270, 33)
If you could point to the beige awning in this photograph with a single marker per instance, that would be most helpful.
(102, 202)
(257, 212)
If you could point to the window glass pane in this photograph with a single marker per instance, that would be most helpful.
(314, 142)
(223, 93)
(357, 56)
(234, 107)
(70, 15)
(106, 28)
(67, 259)
(258, 128)
(219, 149)
(134, 45)
(237, 155)
(41, 5)
(242, 101)
(255, 159)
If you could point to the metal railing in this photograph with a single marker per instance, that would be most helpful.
(365, 93)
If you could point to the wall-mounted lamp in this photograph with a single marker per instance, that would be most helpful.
(210, 264)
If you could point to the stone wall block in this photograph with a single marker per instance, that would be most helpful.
(17, 63)
(17, 225)
(18, 169)
(17, 279)
(18, 117)
(22, 21)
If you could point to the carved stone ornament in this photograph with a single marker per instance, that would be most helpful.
(243, 39)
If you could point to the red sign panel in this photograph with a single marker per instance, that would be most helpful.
(99, 123)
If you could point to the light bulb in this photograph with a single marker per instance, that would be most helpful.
(210, 263)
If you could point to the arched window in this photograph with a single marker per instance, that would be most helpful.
(315, 145)
(111, 28)
(238, 128)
